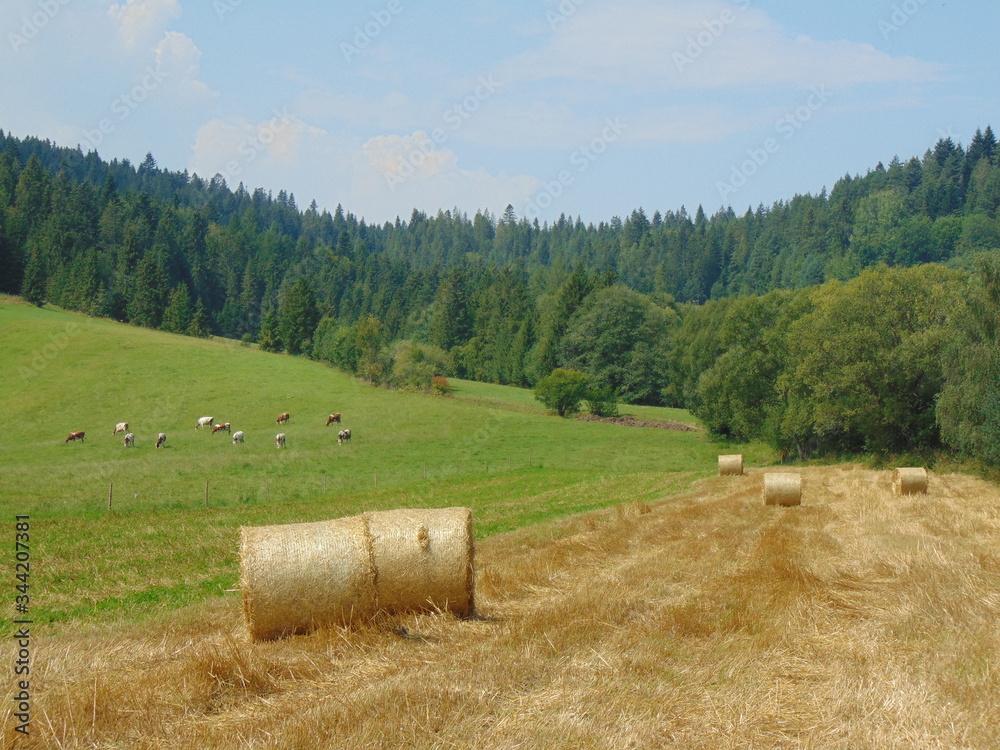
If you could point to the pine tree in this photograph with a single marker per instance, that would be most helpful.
(149, 292)
(268, 338)
(451, 325)
(199, 325)
(33, 286)
(178, 315)
(148, 166)
(31, 194)
(299, 318)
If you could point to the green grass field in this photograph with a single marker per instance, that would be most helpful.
(523, 399)
(490, 448)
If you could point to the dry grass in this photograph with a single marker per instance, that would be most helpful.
(857, 620)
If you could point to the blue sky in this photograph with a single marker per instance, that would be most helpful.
(581, 107)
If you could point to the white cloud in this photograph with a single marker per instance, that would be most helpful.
(702, 45)
(392, 174)
(280, 151)
(179, 55)
(139, 20)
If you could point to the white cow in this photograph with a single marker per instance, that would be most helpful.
(204, 422)
(129, 439)
(344, 436)
(237, 437)
(280, 439)
(120, 427)
(161, 439)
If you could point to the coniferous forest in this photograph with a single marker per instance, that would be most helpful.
(866, 317)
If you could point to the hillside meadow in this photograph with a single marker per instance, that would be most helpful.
(161, 545)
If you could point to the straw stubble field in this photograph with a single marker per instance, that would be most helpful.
(857, 620)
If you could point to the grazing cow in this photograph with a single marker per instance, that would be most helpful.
(74, 436)
(333, 418)
(237, 437)
(222, 426)
(129, 440)
(344, 436)
(204, 422)
(120, 427)
(280, 439)
(161, 439)
(283, 418)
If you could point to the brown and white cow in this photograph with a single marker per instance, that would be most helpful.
(333, 418)
(237, 437)
(283, 418)
(204, 422)
(129, 440)
(161, 439)
(280, 439)
(74, 436)
(222, 426)
(120, 427)
(344, 436)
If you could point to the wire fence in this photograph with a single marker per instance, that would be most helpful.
(233, 488)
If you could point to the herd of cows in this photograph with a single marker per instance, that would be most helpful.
(343, 436)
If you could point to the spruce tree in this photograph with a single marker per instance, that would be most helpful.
(200, 324)
(35, 277)
(149, 292)
(451, 325)
(268, 339)
(299, 318)
(178, 315)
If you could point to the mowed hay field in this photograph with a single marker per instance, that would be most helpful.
(705, 620)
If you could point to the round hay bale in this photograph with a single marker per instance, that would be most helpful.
(297, 577)
(909, 481)
(423, 559)
(731, 466)
(782, 489)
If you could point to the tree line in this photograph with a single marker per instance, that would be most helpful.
(711, 313)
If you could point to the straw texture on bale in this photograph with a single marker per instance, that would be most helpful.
(909, 481)
(731, 466)
(297, 577)
(782, 489)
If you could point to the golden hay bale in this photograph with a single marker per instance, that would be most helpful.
(909, 481)
(782, 489)
(296, 577)
(731, 466)
(423, 559)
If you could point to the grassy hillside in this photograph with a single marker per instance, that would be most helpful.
(161, 545)
(858, 620)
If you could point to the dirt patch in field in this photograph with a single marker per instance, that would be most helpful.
(636, 422)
